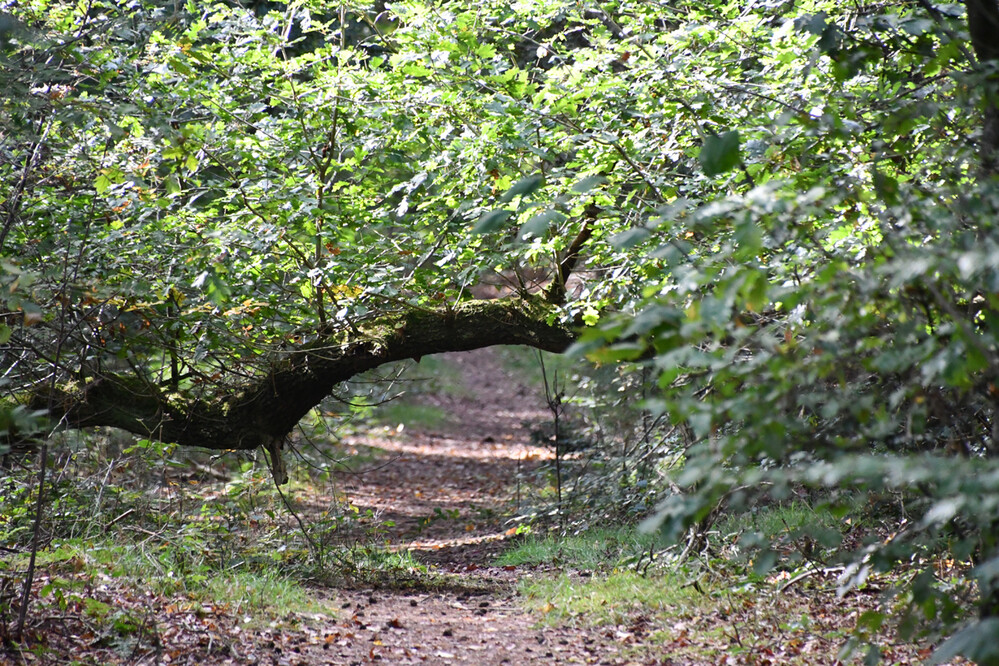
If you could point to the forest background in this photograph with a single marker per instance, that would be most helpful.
(769, 225)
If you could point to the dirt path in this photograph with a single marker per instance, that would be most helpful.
(448, 486)
(448, 492)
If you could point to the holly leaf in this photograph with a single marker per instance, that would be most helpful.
(630, 238)
(587, 184)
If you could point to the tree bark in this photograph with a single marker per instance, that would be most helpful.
(556, 290)
(983, 25)
(266, 409)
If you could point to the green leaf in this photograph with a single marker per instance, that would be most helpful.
(523, 188)
(102, 183)
(540, 223)
(5, 333)
(816, 24)
(976, 642)
(765, 562)
(588, 183)
(172, 184)
(491, 221)
(217, 289)
(485, 50)
(180, 66)
(630, 238)
(700, 423)
(720, 153)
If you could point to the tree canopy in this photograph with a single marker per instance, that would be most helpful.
(214, 214)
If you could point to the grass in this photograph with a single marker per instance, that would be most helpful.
(171, 570)
(793, 527)
(168, 543)
(436, 375)
(612, 598)
(707, 609)
(780, 519)
(172, 545)
(601, 577)
(593, 550)
(402, 385)
(264, 593)
(433, 375)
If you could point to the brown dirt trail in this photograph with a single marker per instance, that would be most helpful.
(466, 469)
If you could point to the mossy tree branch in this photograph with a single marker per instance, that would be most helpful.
(266, 409)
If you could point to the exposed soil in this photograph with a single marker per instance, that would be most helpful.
(450, 487)
(448, 492)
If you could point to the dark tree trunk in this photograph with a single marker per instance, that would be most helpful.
(264, 410)
(983, 24)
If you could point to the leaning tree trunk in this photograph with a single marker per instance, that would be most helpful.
(264, 410)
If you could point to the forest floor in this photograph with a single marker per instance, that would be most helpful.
(443, 493)
(448, 492)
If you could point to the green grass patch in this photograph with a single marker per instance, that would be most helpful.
(613, 597)
(433, 375)
(795, 526)
(374, 559)
(436, 375)
(179, 570)
(376, 567)
(780, 519)
(265, 593)
(595, 549)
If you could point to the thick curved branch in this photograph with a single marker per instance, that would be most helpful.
(266, 409)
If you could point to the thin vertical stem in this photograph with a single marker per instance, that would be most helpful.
(29, 578)
(553, 398)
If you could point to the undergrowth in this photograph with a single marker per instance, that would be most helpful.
(595, 549)
(126, 519)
